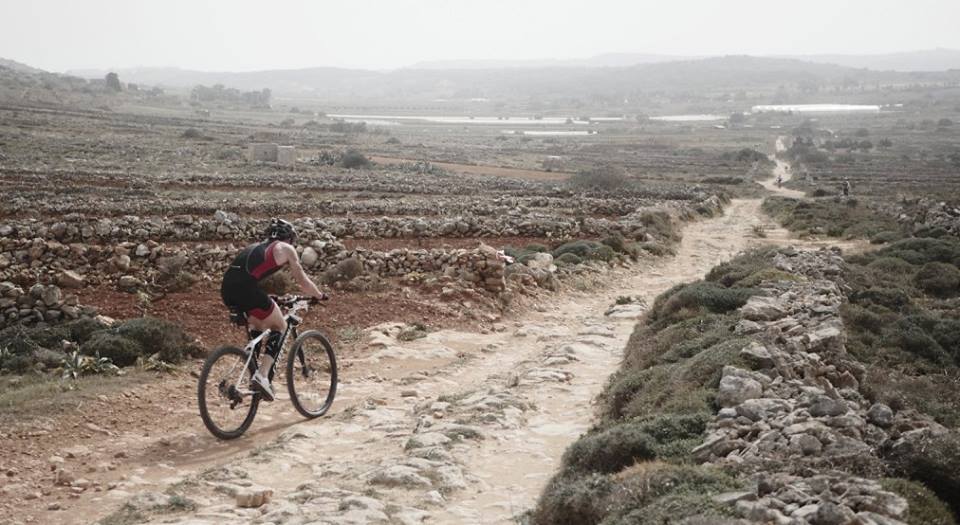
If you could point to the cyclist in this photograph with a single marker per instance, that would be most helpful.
(241, 293)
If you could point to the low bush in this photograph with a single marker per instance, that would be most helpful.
(586, 250)
(691, 300)
(924, 250)
(923, 507)
(568, 259)
(610, 450)
(886, 237)
(660, 225)
(651, 492)
(933, 461)
(602, 178)
(354, 159)
(939, 279)
(120, 350)
(732, 272)
(157, 336)
(573, 500)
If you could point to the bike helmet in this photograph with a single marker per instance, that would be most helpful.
(281, 230)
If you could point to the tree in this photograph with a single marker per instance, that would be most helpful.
(113, 81)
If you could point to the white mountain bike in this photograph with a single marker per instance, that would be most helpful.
(228, 401)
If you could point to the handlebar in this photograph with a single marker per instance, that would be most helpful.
(287, 301)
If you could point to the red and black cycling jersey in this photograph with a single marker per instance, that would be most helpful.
(256, 261)
(239, 289)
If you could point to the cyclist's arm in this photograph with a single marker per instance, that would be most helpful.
(287, 254)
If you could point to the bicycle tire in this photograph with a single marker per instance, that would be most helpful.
(298, 357)
(212, 426)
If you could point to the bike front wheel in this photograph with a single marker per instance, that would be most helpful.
(312, 374)
(225, 395)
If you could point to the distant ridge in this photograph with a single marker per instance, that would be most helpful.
(728, 74)
(928, 60)
(17, 66)
(604, 60)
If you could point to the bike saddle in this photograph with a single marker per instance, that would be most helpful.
(237, 317)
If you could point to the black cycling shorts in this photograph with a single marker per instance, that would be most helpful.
(246, 297)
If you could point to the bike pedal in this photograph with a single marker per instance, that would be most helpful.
(264, 395)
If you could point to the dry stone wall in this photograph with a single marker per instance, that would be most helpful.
(795, 421)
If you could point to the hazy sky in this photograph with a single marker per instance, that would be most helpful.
(241, 35)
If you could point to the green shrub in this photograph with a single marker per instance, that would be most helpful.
(892, 265)
(354, 159)
(569, 258)
(893, 298)
(157, 336)
(660, 224)
(921, 251)
(573, 500)
(655, 249)
(934, 232)
(645, 493)
(939, 279)
(694, 299)
(586, 250)
(602, 178)
(933, 461)
(82, 329)
(915, 340)
(732, 272)
(862, 318)
(924, 508)
(610, 450)
(120, 350)
(885, 237)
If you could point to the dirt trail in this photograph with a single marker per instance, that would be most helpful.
(457, 427)
(783, 171)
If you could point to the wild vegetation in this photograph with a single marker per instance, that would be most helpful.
(901, 323)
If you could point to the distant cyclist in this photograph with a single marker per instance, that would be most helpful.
(241, 292)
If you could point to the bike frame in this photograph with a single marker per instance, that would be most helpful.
(292, 321)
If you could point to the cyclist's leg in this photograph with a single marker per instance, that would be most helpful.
(268, 318)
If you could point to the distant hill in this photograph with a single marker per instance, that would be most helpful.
(18, 67)
(928, 60)
(604, 60)
(710, 74)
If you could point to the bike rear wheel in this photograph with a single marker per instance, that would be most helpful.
(225, 395)
(312, 374)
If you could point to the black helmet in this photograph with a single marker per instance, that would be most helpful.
(281, 230)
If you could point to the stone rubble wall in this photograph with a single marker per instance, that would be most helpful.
(226, 226)
(134, 252)
(796, 420)
(925, 213)
(39, 304)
